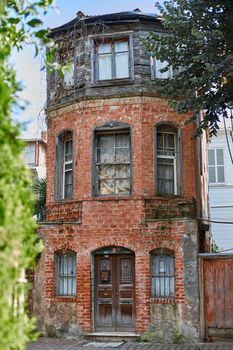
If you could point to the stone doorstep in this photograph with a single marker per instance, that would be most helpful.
(111, 336)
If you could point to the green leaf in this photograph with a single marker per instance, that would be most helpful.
(35, 22)
(41, 34)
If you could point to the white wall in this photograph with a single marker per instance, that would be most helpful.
(221, 196)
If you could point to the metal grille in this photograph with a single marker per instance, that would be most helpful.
(105, 271)
(126, 271)
(65, 274)
(162, 275)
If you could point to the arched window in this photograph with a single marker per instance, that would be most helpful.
(65, 273)
(64, 166)
(112, 160)
(168, 160)
(162, 274)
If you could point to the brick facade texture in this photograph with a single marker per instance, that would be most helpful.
(120, 221)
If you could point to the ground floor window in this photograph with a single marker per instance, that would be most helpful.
(162, 274)
(65, 273)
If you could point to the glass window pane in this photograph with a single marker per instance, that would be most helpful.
(105, 141)
(105, 67)
(122, 65)
(221, 177)
(165, 176)
(220, 156)
(106, 187)
(160, 65)
(104, 48)
(121, 46)
(106, 172)
(212, 177)
(122, 186)
(106, 156)
(211, 157)
(122, 140)
(122, 171)
(122, 155)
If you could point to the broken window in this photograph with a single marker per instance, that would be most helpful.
(65, 273)
(113, 163)
(64, 166)
(167, 159)
(112, 60)
(162, 274)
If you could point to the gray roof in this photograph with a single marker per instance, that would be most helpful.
(119, 17)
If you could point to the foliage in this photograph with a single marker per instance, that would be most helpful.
(39, 191)
(215, 248)
(199, 39)
(20, 24)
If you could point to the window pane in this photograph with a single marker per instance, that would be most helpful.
(212, 178)
(106, 141)
(106, 156)
(121, 46)
(123, 140)
(211, 157)
(29, 154)
(122, 65)
(66, 274)
(122, 171)
(106, 171)
(106, 187)
(221, 177)
(104, 48)
(122, 186)
(162, 276)
(105, 67)
(220, 156)
(122, 155)
(159, 65)
(165, 176)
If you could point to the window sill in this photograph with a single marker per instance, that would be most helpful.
(171, 300)
(66, 299)
(125, 81)
(110, 197)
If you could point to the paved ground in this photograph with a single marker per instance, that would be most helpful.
(67, 344)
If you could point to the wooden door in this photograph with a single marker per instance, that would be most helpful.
(218, 297)
(114, 293)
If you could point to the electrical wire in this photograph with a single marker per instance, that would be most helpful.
(216, 221)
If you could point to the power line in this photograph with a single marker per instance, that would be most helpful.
(216, 221)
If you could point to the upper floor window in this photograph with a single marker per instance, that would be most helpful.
(162, 274)
(168, 177)
(64, 166)
(112, 162)
(157, 65)
(29, 154)
(216, 166)
(112, 59)
(65, 273)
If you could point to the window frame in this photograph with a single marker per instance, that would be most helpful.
(153, 64)
(216, 165)
(58, 255)
(165, 253)
(111, 127)
(111, 38)
(170, 128)
(59, 183)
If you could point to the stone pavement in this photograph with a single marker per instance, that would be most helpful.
(68, 344)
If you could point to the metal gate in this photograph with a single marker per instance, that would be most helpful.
(217, 295)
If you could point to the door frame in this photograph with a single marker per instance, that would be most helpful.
(109, 250)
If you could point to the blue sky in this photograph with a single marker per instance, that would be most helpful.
(28, 68)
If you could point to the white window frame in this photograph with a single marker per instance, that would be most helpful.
(174, 158)
(113, 54)
(153, 61)
(66, 163)
(216, 165)
(64, 276)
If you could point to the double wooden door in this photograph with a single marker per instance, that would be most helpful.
(114, 292)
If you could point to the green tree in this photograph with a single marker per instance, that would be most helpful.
(198, 45)
(20, 23)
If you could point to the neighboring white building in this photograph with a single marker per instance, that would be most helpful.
(221, 187)
(35, 155)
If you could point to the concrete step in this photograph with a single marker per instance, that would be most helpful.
(112, 336)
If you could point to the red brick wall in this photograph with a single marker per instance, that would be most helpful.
(116, 221)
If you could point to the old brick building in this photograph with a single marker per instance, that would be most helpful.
(125, 187)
